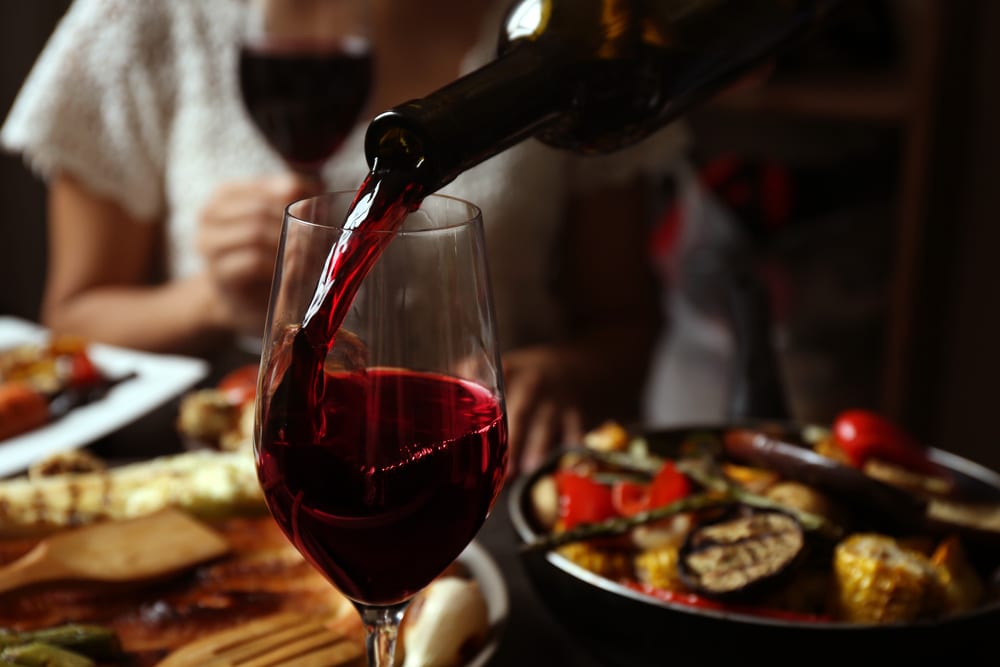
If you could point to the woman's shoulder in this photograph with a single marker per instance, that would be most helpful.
(141, 31)
(125, 23)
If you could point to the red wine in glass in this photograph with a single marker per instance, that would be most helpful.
(381, 450)
(305, 97)
(397, 485)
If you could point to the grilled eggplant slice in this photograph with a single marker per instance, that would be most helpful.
(740, 556)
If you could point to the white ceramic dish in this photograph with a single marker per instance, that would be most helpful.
(157, 379)
(485, 571)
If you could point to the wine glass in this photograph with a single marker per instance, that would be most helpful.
(381, 452)
(305, 73)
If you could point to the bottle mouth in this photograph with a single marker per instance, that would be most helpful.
(418, 138)
(393, 142)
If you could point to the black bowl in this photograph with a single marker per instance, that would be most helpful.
(624, 627)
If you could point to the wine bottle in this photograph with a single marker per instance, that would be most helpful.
(586, 75)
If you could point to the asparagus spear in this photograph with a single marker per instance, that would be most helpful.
(93, 641)
(620, 525)
(704, 472)
(37, 654)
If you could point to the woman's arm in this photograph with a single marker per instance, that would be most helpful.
(556, 391)
(100, 283)
(103, 278)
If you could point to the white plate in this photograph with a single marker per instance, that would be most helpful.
(158, 378)
(486, 572)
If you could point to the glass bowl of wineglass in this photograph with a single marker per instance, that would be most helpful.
(381, 438)
(305, 74)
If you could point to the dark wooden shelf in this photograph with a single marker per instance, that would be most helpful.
(876, 99)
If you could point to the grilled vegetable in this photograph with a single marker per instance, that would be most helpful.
(893, 506)
(659, 568)
(668, 486)
(205, 483)
(610, 564)
(864, 435)
(22, 409)
(617, 525)
(756, 480)
(878, 581)
(804, 498)
(608, 437)
(240, 385)
(74, 461)
(582, 500)
(739, 556)
(760, 528)
(960, 586)
(63, 646)
(915, 482)
(95, 641)
(545, 501)
(206, 415)
(44, 655)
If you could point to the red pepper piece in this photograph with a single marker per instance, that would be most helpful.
(629, 498)
(669, 485)
(582, 500)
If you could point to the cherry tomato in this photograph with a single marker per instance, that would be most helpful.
(582, 500)
(863, 434)
(83, 372)
(240, 385)
(668, 486)
(629, 498)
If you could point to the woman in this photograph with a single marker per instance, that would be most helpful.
(165, 204)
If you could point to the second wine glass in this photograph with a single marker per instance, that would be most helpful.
(305, 74)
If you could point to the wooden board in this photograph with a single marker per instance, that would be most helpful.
(263, 575)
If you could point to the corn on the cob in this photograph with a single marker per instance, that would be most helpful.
(878, 581)
(610, 564)
(658, 567)
(205, 483)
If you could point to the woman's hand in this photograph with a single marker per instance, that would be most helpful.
(556, 391)
(543, 403)
(238, 238)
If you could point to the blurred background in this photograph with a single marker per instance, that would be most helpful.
(863, 179)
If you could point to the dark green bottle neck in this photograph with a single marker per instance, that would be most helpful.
(470, 119)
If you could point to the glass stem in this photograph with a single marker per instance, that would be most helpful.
(381, 630)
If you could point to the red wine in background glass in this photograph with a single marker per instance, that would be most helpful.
(305, 97)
